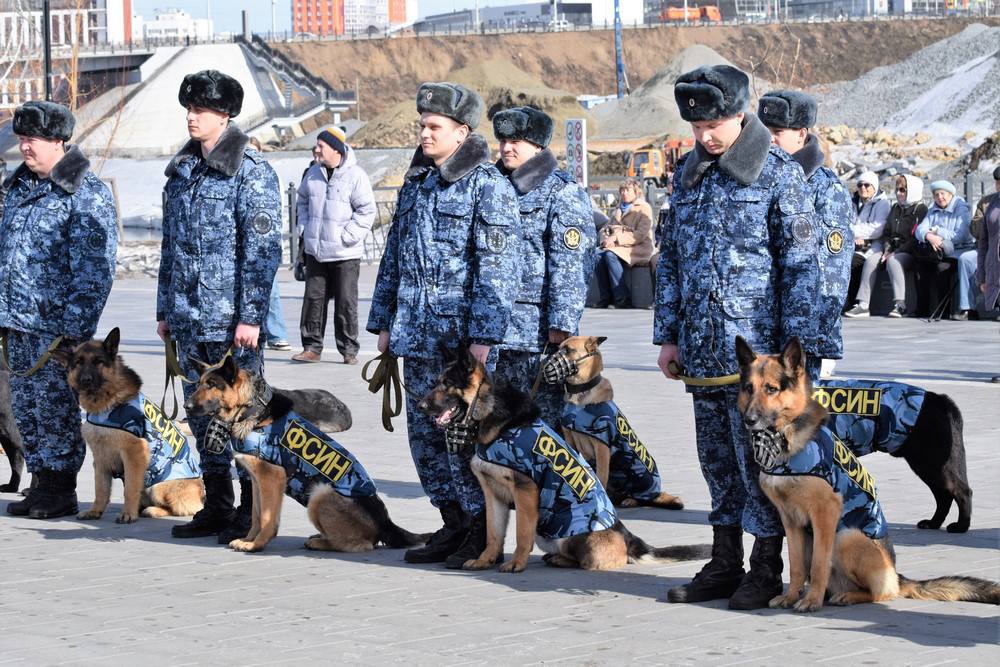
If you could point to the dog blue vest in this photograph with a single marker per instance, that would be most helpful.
(828, 458)
(571, 499)
(870, 416)
(632, 468)
(308, 456)
(169, 454)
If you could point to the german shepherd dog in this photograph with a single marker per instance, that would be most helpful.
(592, 538)
(593, 425)
(104, 383)
(837, 537)
(10, 438)
(278, 448)
(922, 427)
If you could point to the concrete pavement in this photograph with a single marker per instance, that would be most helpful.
(76, 592)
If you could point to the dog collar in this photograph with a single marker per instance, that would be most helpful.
(586, 386)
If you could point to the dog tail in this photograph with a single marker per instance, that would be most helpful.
(389, 533)
(641, 552)
(950, 589)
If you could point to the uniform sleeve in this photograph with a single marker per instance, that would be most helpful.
(666, 314)
(570, 256)
(166, 267)
(497, 259)
(258, 237)
(793, 228)
(383, 306)
(363, 207)
(93, 248)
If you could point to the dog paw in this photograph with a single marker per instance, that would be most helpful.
(512, 566)
(126, 517)
(477, 564)
(89, 515)
(927, 524)
(8, 488)
(782, 602)
(244, 546)
(958, 527)
(628, 502)
(839, 600)
(808, 604)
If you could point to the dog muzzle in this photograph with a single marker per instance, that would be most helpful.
(768, 446)
(217, 436)
(460, 436)
(558, 367)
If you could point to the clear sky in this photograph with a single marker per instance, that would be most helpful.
(227, 13)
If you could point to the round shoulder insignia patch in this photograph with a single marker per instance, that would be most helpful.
(496, 240)
(261, 222)
(96, 241)
(802, 230)
(572, 238)
(835, 242)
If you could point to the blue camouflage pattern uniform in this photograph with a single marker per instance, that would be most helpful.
(571, 500)
(828, 458)
(737, 257)
(221, 248)
(170, 457)
(445, 276)
(868, 415)
(632, 471)
(58, 243)
(557, 242)
(308, 456)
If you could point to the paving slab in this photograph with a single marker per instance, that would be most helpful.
(76, 592)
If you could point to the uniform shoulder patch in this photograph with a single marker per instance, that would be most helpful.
(496, 240)
(572, 238)
(802, 229)
(261, 222)
(835, 242)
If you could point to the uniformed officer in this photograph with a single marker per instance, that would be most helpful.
(738, 256)
(58, 241)
(557, 242)
(221, 248)
(789, 114)
(445, 277)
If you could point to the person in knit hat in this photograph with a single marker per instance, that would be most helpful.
(947, 231)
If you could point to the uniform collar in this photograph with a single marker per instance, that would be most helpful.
(744, 161)
(68, 173)
(473, 152)
(532, 173)
(226, 157)
(810, 157)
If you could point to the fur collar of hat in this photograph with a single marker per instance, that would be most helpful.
(532, 173)
(471, 153)
(68, 173)
(226, 157)
(810, 157)
(744, 160)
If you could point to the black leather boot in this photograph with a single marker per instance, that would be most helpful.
(473, 546)
(445, 541)
(763, 581)
(722, 575)
(242, 517)
(55, 496)
(217, 513)
(23, 506)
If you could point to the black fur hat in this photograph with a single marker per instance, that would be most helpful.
(44, 119)
(452, 100)
(712, 92)
(524, 123)
(789, 109)
(213, 90)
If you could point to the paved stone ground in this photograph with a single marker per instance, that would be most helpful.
(76, 592)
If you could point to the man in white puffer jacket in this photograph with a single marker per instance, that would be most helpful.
(336, 209)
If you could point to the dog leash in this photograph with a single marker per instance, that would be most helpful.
(720, 381)
(42, 360)
(385, 378)
(174, 370)
(538, 375)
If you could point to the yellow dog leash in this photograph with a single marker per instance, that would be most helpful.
(720, 381)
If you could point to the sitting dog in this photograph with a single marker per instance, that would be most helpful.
(922, 427)
(593, 425)
(10, 438)
(519, 459)
(130, 437)
(838, 540)
(286, 454)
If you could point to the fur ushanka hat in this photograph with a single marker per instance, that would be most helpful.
(44, 119)
(213, 90)
(711, 92)
(525, 124)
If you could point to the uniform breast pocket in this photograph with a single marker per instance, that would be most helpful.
(452, 221)
(747, 218)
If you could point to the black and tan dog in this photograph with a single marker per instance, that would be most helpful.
(10, 438)
(130, 437)
(838, 540)
(286, 454)
(558, 501)
(593, 425)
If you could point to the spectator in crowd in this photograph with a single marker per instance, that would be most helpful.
(625, 241)
(986, 229)
(336, 209)
(945, 232)
(872, 210)
(896, 247)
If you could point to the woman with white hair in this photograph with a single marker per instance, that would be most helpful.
(946, 232)
(872, 210)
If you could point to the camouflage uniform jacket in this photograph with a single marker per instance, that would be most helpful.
(870, 416)
(58, 242)
(170, 456)
(632, 468)
(737, 256)
(571, 499)
(451, 256)
(221, 239)
(308, 456)
(557, 242)
(834, 215)
(826, 457)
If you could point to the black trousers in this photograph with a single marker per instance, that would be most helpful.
(324, 281)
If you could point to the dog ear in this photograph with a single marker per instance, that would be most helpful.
(202, 366)
(744, 353)
(597, 340)
(230, 371)
(111, 342)
(793, 356)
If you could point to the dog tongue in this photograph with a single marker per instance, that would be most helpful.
(445, 416)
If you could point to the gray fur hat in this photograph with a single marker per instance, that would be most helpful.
(213, 90)
(712, 92)
(452, 100)
(524, 123)
(787, 109)
(44, 119)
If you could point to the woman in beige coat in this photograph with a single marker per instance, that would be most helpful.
(625, 241)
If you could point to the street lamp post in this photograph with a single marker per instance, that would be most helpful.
(47, 44)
